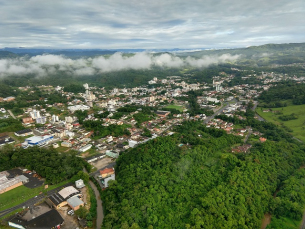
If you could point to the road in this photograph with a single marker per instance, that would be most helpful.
(215, 114)
(31, 202)
(100, 211)
(248, 135)
(11, 113)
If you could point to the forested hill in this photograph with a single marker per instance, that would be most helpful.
(263, 55)
(284, 91)
(201, 184)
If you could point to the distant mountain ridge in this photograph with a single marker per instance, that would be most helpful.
(84, 52)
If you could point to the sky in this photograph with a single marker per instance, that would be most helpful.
(153, 24)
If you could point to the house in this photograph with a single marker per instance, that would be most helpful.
(261, 139)
(24, 132)
(7, 183)
(27, 120)
(66, 144)
(107, 179)
(75, 203)
(50, 219)
(106, 172)
(6, 140)
(61, 198)
(79, 183)
(241, 149)
(85, 148)
(132, 143)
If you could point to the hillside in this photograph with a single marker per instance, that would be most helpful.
(202, 184)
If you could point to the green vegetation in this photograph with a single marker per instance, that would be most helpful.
(289, 202)
(277, 96)
(10, 125)
(297, 126)
(177, 107)
(201, 184)
(48, 163)
(17, 196)
(101, 131)
(20, 194)
(75, 88)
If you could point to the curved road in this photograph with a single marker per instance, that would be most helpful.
(100, 212)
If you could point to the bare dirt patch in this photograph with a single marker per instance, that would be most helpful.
(266, 220)
(100, 164)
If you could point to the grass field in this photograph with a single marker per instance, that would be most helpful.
(286, 223)
(297, 126)
(20, 194)
(177, 107)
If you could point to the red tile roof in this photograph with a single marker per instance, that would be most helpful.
(107, 170)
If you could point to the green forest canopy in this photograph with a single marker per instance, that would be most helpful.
(202, 185)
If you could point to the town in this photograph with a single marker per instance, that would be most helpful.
(100, 124)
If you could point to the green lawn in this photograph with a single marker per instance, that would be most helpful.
(17, 196)
(297, 126)
(283, 222)
(177, 107)
(20, 194)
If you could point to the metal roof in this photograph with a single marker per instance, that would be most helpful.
(75, 201)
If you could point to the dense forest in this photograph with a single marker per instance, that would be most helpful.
(283, 91)
(48, 163)
(192, 180)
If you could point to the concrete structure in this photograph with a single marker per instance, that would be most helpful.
(79, 183)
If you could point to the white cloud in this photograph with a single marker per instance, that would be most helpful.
(43, 65)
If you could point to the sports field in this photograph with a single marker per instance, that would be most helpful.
(177, 107)
(297, 125)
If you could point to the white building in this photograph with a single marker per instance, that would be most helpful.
(78, 107)
(79, 183)
(35, 114)
(85, 148)
(69, 119)
(132, 143)
(37, 140)
(41, 120)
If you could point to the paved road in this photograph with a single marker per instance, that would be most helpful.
(215, 114)
(11, 113)
(100, 211)
(31, 202)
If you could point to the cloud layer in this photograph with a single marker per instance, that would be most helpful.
(43, 65)
(150, 24)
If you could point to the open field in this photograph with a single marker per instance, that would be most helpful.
(297, 126)
(177, 107)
